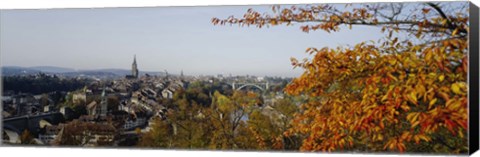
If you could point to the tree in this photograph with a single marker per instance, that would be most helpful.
(264, 129)
(159, 136)
(190, 128)
(286, 109)
(227, 114)
(185, 126)
(27, 137)
(41, 84)
(397, 94)
(138, 131)
(230, 122)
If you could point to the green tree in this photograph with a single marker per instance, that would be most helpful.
(227, 115)
(160, 136)
(186, 126)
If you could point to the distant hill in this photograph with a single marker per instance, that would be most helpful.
(16, 70)
(123, 72)
(118, 72)
(52, 69)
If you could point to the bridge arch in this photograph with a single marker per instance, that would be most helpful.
(11, 128)
(48, 119)
(252, 85)
(45, 122)
(263, 86)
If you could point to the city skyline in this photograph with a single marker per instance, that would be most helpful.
(163, 38)
(49, 69)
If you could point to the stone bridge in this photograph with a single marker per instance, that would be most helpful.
(263, 86)
(32, 122)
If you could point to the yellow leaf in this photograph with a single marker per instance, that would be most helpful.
(423, 137)
(413, 97)
(441, 77)
(404, 135)
(412, 117)
(409, 116)
(455, 31)
(454, 105)
(392, 61)
(405, 107)
(428, 56)
(273, 22)
(415, 124)
(384, 98)
(392, 77)
(308, 50)
(420, 89)
(432, 102)
(444, 21)
(380, 137)
(417, 140)
(456, 88)
(444, 96)
(460, 133)
(391, 146)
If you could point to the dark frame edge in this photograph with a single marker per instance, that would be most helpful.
(473, 73)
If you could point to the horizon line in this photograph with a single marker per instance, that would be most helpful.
(147, 71)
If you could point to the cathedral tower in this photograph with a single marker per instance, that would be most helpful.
(134, 67)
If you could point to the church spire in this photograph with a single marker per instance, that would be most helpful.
(134, 67)
(181, 75)
(135, 59)
(103, 93)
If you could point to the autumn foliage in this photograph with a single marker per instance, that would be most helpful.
(406, 92)
(226, 122)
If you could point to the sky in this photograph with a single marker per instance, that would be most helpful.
(162, 38)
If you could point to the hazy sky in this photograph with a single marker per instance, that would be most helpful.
(163, 38)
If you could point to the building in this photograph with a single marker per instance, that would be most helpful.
(25, 104)
(10, 137)
(95, 109)
(90, 134)
(50, 134)
(78, 98)
(103, 105)
(167, 93)
(134, 74)
(92, 108)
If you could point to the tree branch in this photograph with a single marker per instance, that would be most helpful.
(451, 25)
